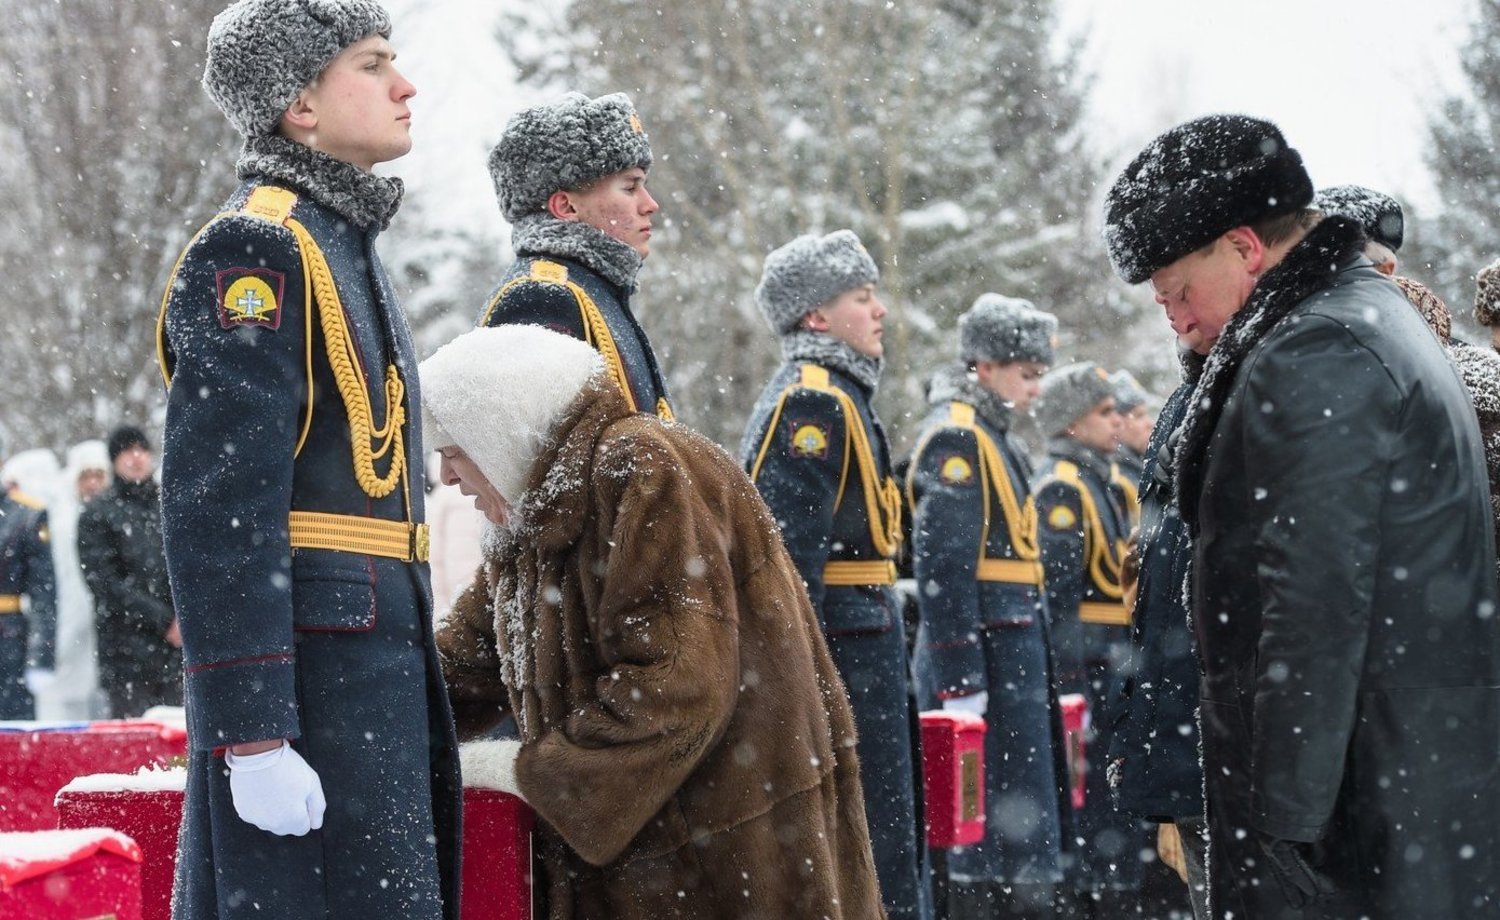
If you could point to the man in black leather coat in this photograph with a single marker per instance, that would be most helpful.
(1342, 590)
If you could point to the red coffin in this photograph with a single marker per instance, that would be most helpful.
(953, 774)
(1075, 719)
(496, 856)
(69, 875)
(38, 760)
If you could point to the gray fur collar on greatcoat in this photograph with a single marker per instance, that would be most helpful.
(825, 350)
(1308, 267)
(955, 382)
(364, 199)
(545, 235)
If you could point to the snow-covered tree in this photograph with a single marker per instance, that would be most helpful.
(1464, 136)
(946, 133)
(109, 153)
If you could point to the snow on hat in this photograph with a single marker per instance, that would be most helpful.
(1434, 312)
(262, 53)
(807, 273)
(1006, 329)
(1068, 394)
(1194, 183)
(1378, 214)
(497, 392)
(34, 472)
(565, 145)
(1487, 294)
(1128, 391)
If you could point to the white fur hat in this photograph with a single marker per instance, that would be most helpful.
(498, 392)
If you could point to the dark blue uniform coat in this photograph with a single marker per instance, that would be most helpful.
(333, 649)
(26, 640)
(568, 297)
(1082, 528)
(798, 448)
(1154, 761)
(984, 628)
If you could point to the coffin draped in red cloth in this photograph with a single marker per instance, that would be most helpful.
(953, 774)
(68, 874)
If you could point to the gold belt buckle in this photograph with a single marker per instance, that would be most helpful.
(421, 538)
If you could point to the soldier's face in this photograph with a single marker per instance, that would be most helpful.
(1135, 429)
(358, 106)
(1016, 382)
(1099, 428)
(457, 469)
(135, 464)
(854, 318)
(619, 205)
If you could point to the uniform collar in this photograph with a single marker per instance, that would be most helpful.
(364, 199)
(545, 235)
(955, 383)
(827, 351)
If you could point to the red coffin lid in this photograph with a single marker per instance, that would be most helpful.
(28, 854)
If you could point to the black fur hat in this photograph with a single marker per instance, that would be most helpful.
(1377, 213)
(565, 145)
(1195, 182)
(1006, 329)
(262, 53)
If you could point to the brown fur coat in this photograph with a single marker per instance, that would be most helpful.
(686, 739)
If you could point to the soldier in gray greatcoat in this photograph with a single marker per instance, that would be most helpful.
(322, 775)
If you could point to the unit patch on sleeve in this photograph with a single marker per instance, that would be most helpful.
(1062, 518)
(250, 297)
(809, 441)
(957, 471)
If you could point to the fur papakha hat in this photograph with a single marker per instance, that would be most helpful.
(1006, 329)
(565, 145)
(1068, 393)
(1196, 182)
(262, 53)
(497, 392)
(1377, 213)
(807, 273)
(1487, 295)
(1128, 391)
(1434, 312)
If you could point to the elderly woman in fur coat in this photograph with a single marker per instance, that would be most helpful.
(684, 736)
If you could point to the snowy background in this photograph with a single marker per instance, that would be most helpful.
(967, 141)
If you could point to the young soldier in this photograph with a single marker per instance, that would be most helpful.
(819, 456)
(292, 498)
(27, 639)
(571, 178)
(983, 644)
(1083, 526)
(1135, 407)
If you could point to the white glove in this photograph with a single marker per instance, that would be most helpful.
(976, 703)
(491, 765)
(40, 680)
(276, 791)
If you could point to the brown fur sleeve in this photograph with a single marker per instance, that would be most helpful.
(471, 663)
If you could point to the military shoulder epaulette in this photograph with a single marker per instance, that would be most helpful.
(28, 501)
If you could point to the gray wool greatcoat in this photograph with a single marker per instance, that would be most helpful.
(1344, 600)
(332, 649)
(685, 738)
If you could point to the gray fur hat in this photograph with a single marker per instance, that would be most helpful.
(262, 53)
(565, 145)
(1068, 393)
(1006, 329)
(1128, 391)
(1377, 213)
(807, 273)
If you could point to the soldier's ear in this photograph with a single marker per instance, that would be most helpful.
(300, 114)
(814, 321)
(560, 205)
